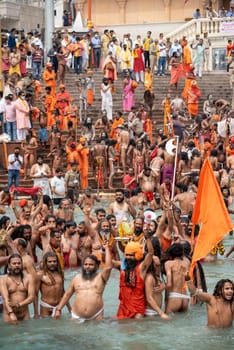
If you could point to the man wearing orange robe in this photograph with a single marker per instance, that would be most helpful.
(194, 94)
(118, 120)
(72, 155)
(49, 78)
(63, 98)
(132, 280)
(83, 155)
(187, 57)
(50, 103)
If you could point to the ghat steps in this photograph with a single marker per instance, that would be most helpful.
(215, 83)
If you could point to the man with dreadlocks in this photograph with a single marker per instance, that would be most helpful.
(50, 282)
(17, 291)
(220, 306)
(132, 279)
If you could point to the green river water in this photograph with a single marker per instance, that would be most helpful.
(186, 331)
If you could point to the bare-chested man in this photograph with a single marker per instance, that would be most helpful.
(88, 199)
(84, 247)
(99, 155)
(176, 270)
(28, 263)
(50, 283)
(5, 199)
(138, 158)
(156, 165)
(123, 139)
(69, 244)
(88, 288)
(186, 200)
(17, 291)
(147, 183)
(220, 306)
(196, 162)
(65, 211)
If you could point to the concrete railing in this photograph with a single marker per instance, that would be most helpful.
(216, 27)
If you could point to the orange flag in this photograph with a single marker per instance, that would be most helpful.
(210, 212)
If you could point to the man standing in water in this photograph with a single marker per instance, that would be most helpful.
(121, 207)
(220, 307)
(178, 300)
(50, 282)
(88, 288)
(17, 291)
(132, 279)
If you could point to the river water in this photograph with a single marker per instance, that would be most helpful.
(183, 332)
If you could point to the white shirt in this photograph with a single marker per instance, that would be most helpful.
(16, 165)
(59, 186)
(2, 105)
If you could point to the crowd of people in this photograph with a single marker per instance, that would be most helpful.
(147, 249)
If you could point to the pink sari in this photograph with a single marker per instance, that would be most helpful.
(128, 100)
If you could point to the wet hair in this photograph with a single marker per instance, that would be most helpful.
(176, 250)
(15, 255)
(92, 257)
(100, 210)
(45, 268)
(69, 224)
(60, 221)
(184, 157)
(214, 153)
(110, 216)
(156, 246)
(218, 290)
(187, 248)
(3, 220)
(48, 217)
(22, 243)
(53, 233)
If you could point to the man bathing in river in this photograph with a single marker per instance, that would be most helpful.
(220, 307)
(88, 288)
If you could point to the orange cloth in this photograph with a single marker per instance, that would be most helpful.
(134, 248)
(167, 111)
(210, 211)
(83, 155)
(187, 85)
(49, 78)
(116, 123)
(148, 81)
(72, 157)
(37, 86)
(90, 97)
(149, 129)
(50, 102)
(132, 298)
(229, 150)
(187, 59)
(165, 243)
(194, 94)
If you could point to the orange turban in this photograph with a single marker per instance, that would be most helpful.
(134, 248)
(23, 202)
(82, 139)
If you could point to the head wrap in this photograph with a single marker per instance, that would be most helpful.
(23, 202)
(82, 139)
(134, 248)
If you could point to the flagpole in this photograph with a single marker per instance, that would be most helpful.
(175, 166)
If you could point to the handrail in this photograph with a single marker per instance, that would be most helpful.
(199, 26)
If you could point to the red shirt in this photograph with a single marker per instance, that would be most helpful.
(126, 179)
